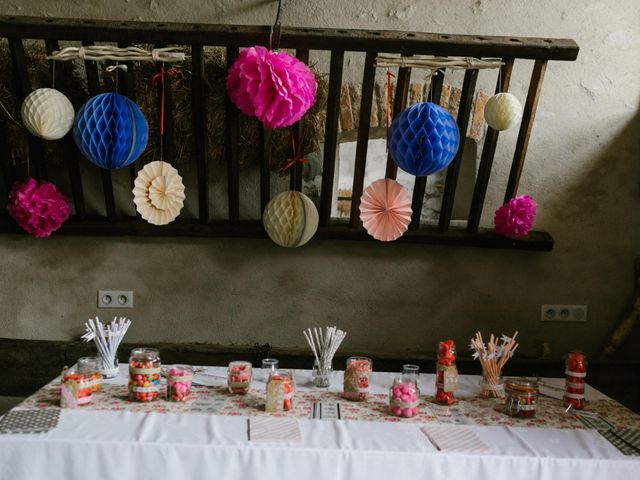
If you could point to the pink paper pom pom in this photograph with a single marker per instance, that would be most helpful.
(515, 218)
(273, 86)
(38, 207)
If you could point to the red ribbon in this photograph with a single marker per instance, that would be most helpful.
(295, 158)
(160, 76)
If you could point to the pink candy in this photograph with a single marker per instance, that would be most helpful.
(403, 399)
(179, 390)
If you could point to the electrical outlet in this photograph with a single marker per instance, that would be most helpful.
(115, 299)
(563, 313)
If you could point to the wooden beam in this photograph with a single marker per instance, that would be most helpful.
(384, 41)
(232, 139)
(93, 82)
(368, 81)
(199, 123)
(464, 114)
(71, 154)
(399, 104)
(528, 116)
(420, 184)
(331, 136)
(486, 159)
(297, 132)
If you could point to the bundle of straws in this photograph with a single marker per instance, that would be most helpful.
(493, 357)
(324, 344)
(107, 340)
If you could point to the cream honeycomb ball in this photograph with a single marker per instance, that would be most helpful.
(47, 113)
(290, 219)
(502, 111)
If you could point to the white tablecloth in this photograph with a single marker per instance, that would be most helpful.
(123, 445)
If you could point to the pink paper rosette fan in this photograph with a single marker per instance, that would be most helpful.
(516, 217)
(273, 86)
(385, 210)
(38, 207)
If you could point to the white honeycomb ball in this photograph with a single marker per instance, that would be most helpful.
(47, 113)
(502, 111)
(290, 219)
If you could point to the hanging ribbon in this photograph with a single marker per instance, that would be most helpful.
(388, 103)
(160, 76)
(297, 157)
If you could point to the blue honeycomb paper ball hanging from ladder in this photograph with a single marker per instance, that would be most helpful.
(423, 139)
(110, 130)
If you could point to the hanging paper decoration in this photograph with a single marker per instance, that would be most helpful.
(158, 193)
(423, 139)
(290, 219)
(47, 113)
(38, 207)
(502, 111)
(385, 210)
(516, 217)
(273, 86)
(110, 130)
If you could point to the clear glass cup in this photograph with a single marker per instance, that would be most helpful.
(239, 377)
(179, 383)
(91, 366)
(356, 378)
(144, 374)
(322, 375)
(411, 372)
(269, 365)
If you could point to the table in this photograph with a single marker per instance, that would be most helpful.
(122, 440)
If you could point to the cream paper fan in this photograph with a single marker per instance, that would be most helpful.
(158, 193)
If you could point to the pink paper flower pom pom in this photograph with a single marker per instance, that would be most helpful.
(38, 207)
(515, 218)
(273, 86)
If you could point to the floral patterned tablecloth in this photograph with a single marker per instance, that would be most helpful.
(217, 401)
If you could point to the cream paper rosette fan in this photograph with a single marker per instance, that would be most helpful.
(158, 193)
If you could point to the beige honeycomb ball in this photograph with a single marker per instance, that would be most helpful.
(502, 111)
(290, 219)
(47, 113)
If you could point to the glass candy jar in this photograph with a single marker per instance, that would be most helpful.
(576, 376)
(447, 373)
(144, 374)
(521, 397)
(356, 378)
(179, 383)
(76, 388)
(404, 398)
(92, 366)
(411, 372)
(239, 377)
(280, 389)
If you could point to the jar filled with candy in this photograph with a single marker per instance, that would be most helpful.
(92, 366)
(576, 376)
(76, 388)
(356, 378)
(280, 389)
(239, 377)
(144, 374)
(404, 398)
(447, 373)
(521, 397)
(179, 383)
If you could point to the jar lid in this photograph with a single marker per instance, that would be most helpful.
(521, 384)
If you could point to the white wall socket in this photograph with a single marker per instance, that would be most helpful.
(115, 299)
(563, 313)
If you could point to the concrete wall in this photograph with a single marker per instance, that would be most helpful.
(582, 167)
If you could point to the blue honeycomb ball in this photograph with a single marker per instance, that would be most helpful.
(423, 139)
(110, 130)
